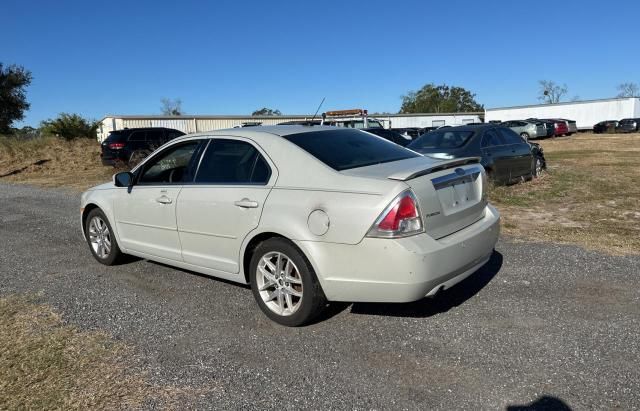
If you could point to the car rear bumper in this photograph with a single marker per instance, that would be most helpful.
(111, 160)
(402, 270)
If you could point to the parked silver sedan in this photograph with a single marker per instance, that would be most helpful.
(305, 215)
(527, 129)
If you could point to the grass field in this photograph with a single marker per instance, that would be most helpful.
(590, 195)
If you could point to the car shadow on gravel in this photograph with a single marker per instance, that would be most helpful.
(441, 302)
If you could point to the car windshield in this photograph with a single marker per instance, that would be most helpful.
(343, 149)
(441, 140)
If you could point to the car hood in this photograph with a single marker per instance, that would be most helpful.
(104, 186)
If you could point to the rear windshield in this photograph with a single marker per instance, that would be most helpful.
(343, 149)
(116, 136)
(441, 139)
(626, 121)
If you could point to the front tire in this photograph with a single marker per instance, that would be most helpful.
(284, 284)
(525, 136)
(102, 242)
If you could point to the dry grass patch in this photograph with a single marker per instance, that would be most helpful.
(45, 364)
(52, 162)
(590, 196)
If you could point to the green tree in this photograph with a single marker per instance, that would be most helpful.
(266, 112)
(440, 99)
(13, 99)
(70, 126)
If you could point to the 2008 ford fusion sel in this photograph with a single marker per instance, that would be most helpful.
(305, 215)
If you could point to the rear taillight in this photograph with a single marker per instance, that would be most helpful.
(116, 146)
(401, 218)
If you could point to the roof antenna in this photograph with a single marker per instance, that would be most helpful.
(316, 113)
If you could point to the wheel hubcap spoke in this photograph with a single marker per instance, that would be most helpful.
(99, 237)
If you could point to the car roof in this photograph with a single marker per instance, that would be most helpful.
(262, 132)
(475, 127)
(126, 130)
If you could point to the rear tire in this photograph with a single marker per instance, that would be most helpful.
(284, 284)
(101, 239)
(537, 167)
(525, 136)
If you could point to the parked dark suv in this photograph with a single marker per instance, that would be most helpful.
(131, 145)
(628, 125)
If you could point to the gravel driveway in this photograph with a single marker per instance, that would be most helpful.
(546, 324)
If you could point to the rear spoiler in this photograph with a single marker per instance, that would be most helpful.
(442, 165)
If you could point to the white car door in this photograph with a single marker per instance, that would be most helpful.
(224, 204)
(145, 214)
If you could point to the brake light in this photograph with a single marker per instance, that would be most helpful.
(401, 218)
(116, 146)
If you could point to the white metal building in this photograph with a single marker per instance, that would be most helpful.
(586, 113)
(194, 124)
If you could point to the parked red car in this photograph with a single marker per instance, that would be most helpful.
(561, 127)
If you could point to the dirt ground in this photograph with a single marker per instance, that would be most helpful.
(590, 195)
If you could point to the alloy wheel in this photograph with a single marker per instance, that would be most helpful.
(279, 283)
(100, 237)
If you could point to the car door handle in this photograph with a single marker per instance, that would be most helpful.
(164, 200)
(246, 203)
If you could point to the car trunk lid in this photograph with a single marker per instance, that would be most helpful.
(449, 193)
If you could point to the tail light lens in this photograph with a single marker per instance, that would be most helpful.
(401, 218)
(116, 146)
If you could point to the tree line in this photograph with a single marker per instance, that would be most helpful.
(431, 98)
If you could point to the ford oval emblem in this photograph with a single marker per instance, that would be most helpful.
(459, 171)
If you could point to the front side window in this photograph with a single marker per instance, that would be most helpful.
(232, 162)
(171, 166)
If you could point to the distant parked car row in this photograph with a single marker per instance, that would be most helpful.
(532, 128)
(626, 125)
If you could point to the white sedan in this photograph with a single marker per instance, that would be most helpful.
(304, 214)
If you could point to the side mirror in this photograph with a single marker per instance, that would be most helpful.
(123, 179)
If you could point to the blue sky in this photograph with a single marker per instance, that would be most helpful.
(224, 57)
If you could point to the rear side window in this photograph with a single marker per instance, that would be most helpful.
(344, 149)
(232, 162)
(171, 134)
(510, 136)
(442, 139)
(137, 136)
(155, 136)
(491, 139)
